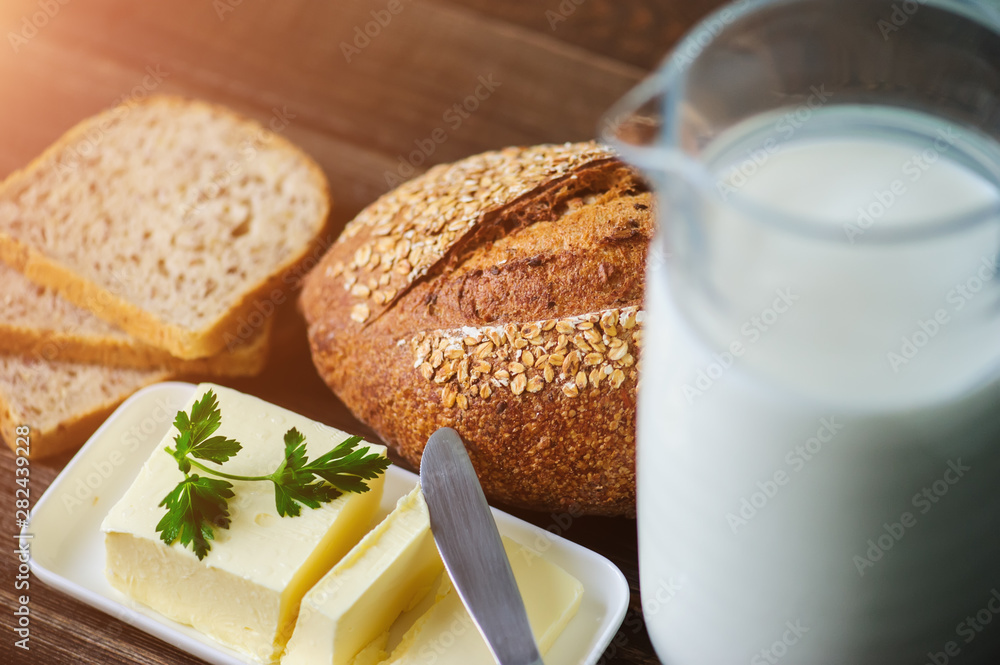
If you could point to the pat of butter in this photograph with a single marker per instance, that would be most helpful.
(446, 634)
(246, 592)
(388, 572)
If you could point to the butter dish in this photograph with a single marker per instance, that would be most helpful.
(68, 546)
(246, 590)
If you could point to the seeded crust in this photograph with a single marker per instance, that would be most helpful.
(168, 218)
(500, 295)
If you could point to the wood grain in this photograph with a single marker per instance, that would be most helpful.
(638, 32)
(357, 118)
(363, 114)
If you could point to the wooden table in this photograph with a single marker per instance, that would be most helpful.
(359, 104)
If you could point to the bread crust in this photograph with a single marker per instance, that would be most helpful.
(55, 438)
(178, 341)
(520, 327)
(245, 359)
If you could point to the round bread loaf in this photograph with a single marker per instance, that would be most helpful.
(499, 295)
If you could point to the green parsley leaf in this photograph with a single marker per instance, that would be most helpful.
(194, 507)
(197, 504)
(343, 469)
(205, 418)
(194, 430)
(347, 468)
(295, 449)
(290, 492)
(217, 449)
(293, 484)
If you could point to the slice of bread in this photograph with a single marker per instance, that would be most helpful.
(62, 403)
(167, 217)
(36, 322)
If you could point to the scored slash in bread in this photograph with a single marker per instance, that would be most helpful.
(166, 217)
(500, 295)
(35, 322)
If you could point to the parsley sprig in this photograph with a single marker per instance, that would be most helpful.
(199, 504)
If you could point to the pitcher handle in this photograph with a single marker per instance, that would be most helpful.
(638, 114)
(635, 111)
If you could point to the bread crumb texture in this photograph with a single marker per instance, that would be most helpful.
(179, 209)
(31, 306)
(62, 402)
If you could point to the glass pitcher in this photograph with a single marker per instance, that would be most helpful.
(819, 409)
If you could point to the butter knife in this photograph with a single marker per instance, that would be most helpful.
(472, 551)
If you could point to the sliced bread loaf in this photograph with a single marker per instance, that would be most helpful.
(62, 403)
(167, 217)
(36, 322)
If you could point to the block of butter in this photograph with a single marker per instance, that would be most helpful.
(388, 572)
(446, 635)
(246, 592)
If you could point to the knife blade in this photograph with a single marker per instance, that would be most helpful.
(473, 553)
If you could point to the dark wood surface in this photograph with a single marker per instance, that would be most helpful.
(558, 66)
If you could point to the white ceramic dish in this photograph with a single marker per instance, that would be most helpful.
(67, 546)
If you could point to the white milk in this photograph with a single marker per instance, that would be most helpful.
(819, 436)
